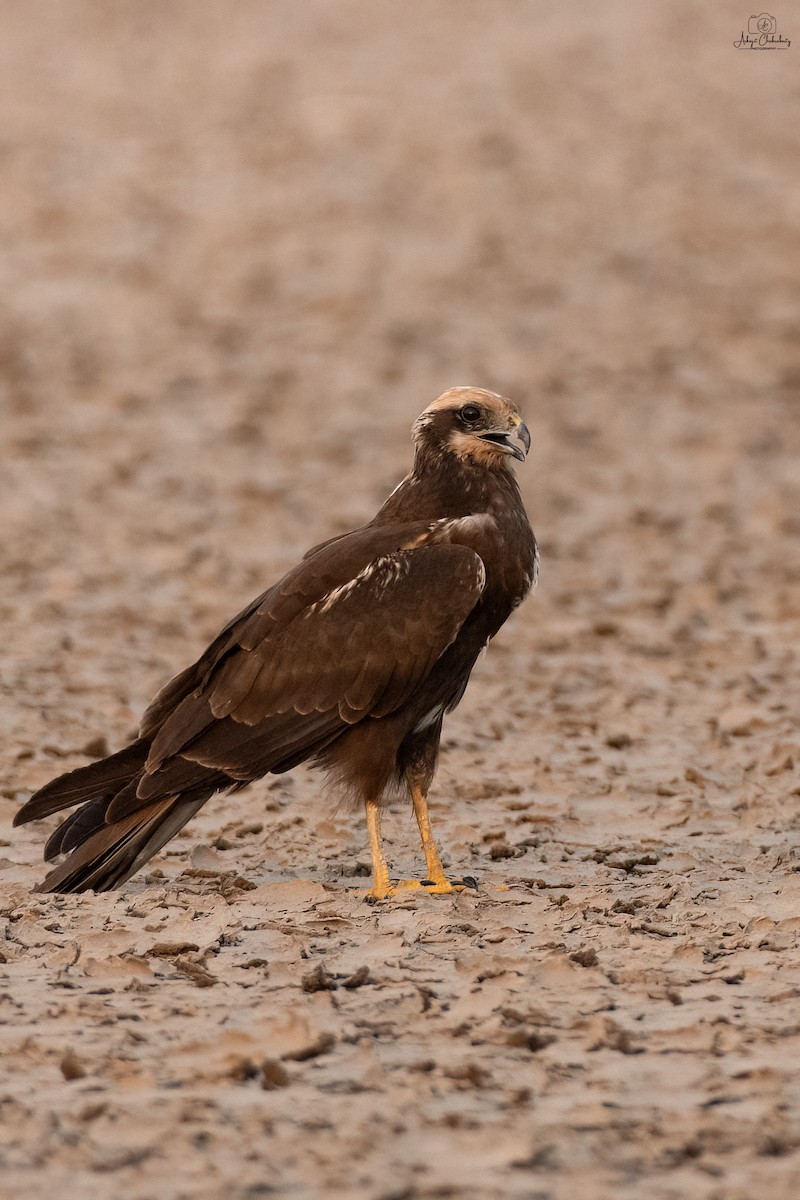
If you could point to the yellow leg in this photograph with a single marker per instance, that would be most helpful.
(432, 860)
(436, 882)
(380, 868)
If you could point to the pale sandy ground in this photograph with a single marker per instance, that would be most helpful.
(243, 244)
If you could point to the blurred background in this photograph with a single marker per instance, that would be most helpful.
(244, 244)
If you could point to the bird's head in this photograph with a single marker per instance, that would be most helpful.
(475, 426)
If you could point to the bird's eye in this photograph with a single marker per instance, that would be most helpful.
(469, 414)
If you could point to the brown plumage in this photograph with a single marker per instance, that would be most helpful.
(351, 660)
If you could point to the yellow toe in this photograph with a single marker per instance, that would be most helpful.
(434, 887)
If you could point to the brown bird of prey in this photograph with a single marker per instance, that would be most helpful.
(351, 661)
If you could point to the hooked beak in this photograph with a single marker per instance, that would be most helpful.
(515, 441)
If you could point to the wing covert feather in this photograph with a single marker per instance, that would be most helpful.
(360, 647)
(403, 610)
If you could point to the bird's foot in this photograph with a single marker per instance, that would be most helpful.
(434, 887)
(440, 885)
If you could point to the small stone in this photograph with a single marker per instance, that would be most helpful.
(90, 1112)
(252, 827)
(471, 1075)
(586, 957)
(358, 869)
(613, 1037)
(169, 949)
(423, 1065)
(318, 980)
(196, 972)
(71, 1066)
(242, 1070)
(321, 1045)
(619, 741)
(530, 1039)
(358, 978)
(273, 1075)
(501, 850)
(96, 747)
(230, 884)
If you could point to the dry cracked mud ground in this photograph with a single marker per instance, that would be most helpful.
(242, 246)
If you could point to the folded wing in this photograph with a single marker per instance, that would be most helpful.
(358, 650)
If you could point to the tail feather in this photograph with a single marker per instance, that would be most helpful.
(113, 853)
(78, 826)
(104, 849)
(106, 776)
(186, 779)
